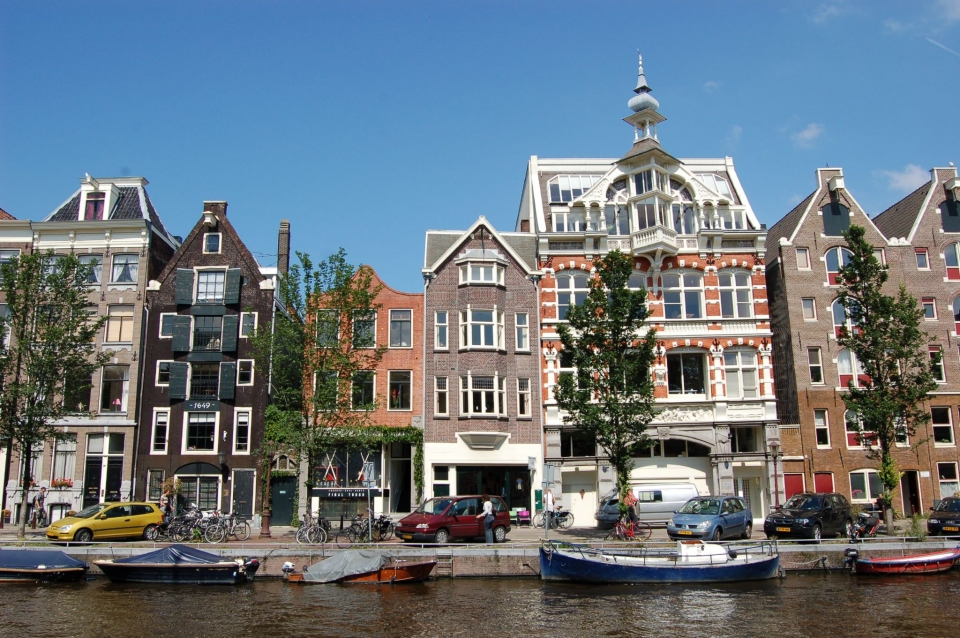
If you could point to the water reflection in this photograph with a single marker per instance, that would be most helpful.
(810, 605)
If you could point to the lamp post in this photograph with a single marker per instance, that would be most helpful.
(775, 450)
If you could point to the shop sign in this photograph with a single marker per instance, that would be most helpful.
(323, 492)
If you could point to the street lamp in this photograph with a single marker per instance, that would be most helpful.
(775, 450)
(222, 456)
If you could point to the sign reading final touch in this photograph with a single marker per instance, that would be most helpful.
(335, 492)
(201, 405)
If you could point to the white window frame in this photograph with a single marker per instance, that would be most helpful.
(855, 368)
(330, 314)
(881, 255)
(683, 394)
(236, 428)
(732, 292)
(943, 370)
(97, 270)
(811, 303)
(683, 290)
(951, 254)
(847, 322)
(216, 434)
(473, 273)
(441, 391)
(256, 321)
(868, 497)
(840, 252)
(467, 324)
(160, 334)
(523, 399)
(575, 295)
(930, 302)
(806, 259)
(123, 318)
(933, 427)
(156, 378)
(153, 431)
(866, 437)
(363, 316)
(926, 257)
(583, 184)
(196, 286)
(219, 249)
(523, 331)
(125, 391)
(955, 481)
(113, 267)
(252, 372)
(441, 330)
(373, 374)
(390, 336)
(390, 374)
(735, 369)
(818, 364)
(498, 396)
(822, 426)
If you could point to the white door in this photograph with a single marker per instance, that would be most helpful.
(580, 497)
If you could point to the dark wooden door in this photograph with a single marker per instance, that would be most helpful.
(114, 479)
(282, 491)
(91, 481)
(243, 492)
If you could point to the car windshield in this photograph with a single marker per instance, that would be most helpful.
(703, 506)
(434, 506)
(801, 502)
(948, 505)
(91, 511)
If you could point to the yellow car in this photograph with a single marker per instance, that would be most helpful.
(107, 521)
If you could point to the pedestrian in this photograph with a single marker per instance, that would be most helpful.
(630, 500)
(487, 516)
(549, 506)
(166, 506)
(39, 507)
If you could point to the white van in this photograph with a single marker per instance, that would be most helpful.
(656, 502)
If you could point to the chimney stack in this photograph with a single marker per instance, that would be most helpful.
(283, 247)
(216, 207)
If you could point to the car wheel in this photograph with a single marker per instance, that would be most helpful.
(442, 537)
(83, 536)
(150, 532)
(747, 531)
(499, 534)
(847, 529)
(717, 534)
(817, 535)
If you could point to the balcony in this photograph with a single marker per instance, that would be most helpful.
(204, 388)
(653, 239)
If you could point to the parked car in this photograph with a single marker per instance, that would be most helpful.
(945, 518)
(712, 517)
(107, 521)
(656, 502)
(810, 515)
(445, 518)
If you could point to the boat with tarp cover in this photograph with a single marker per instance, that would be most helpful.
(929, 563)
(690, 562)
(39, 566)
(179, 564)
(361, 566)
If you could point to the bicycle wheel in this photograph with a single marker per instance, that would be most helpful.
(346, 538)
(389, 531)
(642, 531)
(302, 534)
(179, 533)
(615, 533)
(317, 535)
(538, 519)
(242, 530)
(215, 533)
(566, 520)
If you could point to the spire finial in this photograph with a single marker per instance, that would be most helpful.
(642, 86)
(643, 99)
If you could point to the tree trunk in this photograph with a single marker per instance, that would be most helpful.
(24, 487)
(888, 517)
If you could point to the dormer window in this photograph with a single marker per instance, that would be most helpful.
(95, 203)
(566, 188)
(482, 273)
(211, 243)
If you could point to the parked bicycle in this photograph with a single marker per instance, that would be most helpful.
(313, 530)
(559, 519)
(626, 530)
(356, 531)
(382, 528)
(220, 527)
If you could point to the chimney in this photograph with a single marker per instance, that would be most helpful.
(216, 207)
(283, 247)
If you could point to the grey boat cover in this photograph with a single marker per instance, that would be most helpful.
(347, 563)
(174, 555)
(37, 559)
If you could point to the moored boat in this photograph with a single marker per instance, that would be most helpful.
(690, 562)
(365, 567)
(929, 563)
(39, 566)
(179, 564)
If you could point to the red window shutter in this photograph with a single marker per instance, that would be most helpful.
(792, 484)
(823, 482)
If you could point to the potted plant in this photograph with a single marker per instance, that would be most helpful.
(61, 483)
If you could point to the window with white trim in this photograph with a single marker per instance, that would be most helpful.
(936, 363)
(200, 430)
(119, 327)
(7, 257)
(929, 305)
(841, 318)
(836, 258)
(857, 437)
(803, 259)
(401, 328)
(482, 273)
(740, 368)
(865, 486)
(401, 389)
(481, 328)
(941, 419)
(211, 243)
(809, 306)
(736, 294)
(210, 285)
(923, 259)
(365, 329)
(95, 263)
(441, 406)
(154, 485)
(163, 372)
(114, 388)
(244, 372)
(241, 432)
(572, 290)
(682, 296)
(482, 396)
(125, 269)
(566, 188)
(947, 476)
(686, 373)
(523, 397)
(440, 330)
(362, 390)
(248, 324)
(328, 327)
(951, 257)
(816, 366)
(523, 331)
(850, 369)
(158, 441)
(821, 425)
(166, 324)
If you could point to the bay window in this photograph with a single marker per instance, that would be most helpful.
(481, 328)
(482, 273)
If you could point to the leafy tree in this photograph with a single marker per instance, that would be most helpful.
(898, 373)
(610, 398)
(51, 354)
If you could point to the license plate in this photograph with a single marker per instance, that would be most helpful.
(951, 529)
(684, 532)
(783, 529)
(406, 537)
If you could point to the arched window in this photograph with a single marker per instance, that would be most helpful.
(736, 298)
(850, 370)
(682, 296)
(841, 319)
(637, 281)
(572, 290)
(951, 255)
(837, 257)
(740, 370)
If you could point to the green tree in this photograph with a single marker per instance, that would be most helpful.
(894, 354)
(610, 398)
(51, 354)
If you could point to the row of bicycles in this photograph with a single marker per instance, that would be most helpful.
(194, 526)
(317, 530)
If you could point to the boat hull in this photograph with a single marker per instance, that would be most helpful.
(216, 574)
(65, 575)
(564, 566)
(932, 563)
(392, 574)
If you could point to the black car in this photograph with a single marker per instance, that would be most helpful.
(945, 518)
(810, 515)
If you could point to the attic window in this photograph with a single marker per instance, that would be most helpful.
(836, 219)
(566, 188)
(211, 243)
(94, 209)
(950, 216)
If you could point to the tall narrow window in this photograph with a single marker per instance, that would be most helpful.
(936, 362)
(837, 258)
(572, 290)
(686, 373)
(245, 372)
(942, 420)
(115, 385)
(803, 259)
(248, 324)
(923, 259)
(523, 397)
(119, 324)
(822, 426)
(364, 329)
(154, 485)
(951, 256)
(441, 405)
(816, 365)
(440, 325)
(929, 305)
(401, 328)
(363, 391)
(850, 369)
(735, 294)
(740, 368)
(125, 269)
(241, 436)
(158, 443)
(809, 306)
(94, 210)
(523, 332)
(65, 458)
(401, 389)
(163, 372)
(7, 257)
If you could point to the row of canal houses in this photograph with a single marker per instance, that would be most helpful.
(748, 376)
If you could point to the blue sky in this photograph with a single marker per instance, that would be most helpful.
(367, 123)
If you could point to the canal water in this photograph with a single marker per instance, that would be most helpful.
(800, 605)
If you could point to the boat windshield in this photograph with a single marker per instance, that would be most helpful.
(800, 502)
(948, 505)
(93, 510)
(702, 506)
(434, 506)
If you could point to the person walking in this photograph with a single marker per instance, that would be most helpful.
(39, 507)
(549, 506)
(487, 516)
(630, 500)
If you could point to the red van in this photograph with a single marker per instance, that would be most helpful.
(445, 518)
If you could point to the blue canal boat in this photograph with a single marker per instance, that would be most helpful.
(39, 566)
(691, 562)
(178, 564)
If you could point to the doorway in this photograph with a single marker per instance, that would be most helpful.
(243, 490)
(579, 496)
(400, 477)
(282, 491)
(103, 469)
(910, 491)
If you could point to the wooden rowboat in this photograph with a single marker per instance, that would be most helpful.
(930, 563)
(364, 567)
(392, 574)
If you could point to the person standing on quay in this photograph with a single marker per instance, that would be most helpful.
(487, 516)
(549, 506)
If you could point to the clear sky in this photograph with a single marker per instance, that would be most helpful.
(367, 123)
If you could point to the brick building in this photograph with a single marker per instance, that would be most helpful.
(112, 224)
(917, 238)
(203, 399)
(482, 407)
(698, 250)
